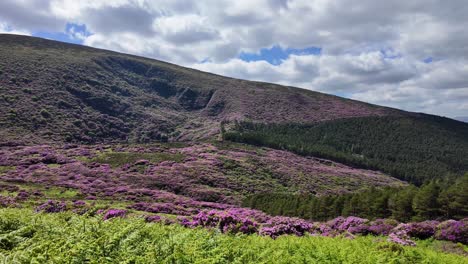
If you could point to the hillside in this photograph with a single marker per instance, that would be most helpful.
(411, 148)
(108, 157)
(57, 91)
(205, 172)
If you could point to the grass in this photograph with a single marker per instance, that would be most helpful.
(27, 237)
(4, 169)
(118, 159)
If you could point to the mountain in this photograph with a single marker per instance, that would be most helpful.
(462, 118)
(56, 91)
(53, 92)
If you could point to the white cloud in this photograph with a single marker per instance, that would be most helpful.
(5, 28)
(371, 50)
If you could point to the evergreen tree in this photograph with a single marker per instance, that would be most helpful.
(401, 204)
(425, 202)
(454, 199)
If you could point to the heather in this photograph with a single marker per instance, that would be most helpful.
(27, 237)
(216, 218)
(187, 173)
(112, 158)
(188, 178)
(58, 92)
(229, 219)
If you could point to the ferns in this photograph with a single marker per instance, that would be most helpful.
(69, 238)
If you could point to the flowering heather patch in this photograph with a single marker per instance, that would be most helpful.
(166, 208)
(281, 225)
(342, 225)
(79, 203)
(401, 237)
(202, 172)
(6, 201)
(382, 226)
(247, 213)
(113, 213)
(52, 207)
(153, 218)
(203, 189)
(225, 221)
(422, 230)
(354, 225)
(22, 195)
(352, 221)
(455, 231)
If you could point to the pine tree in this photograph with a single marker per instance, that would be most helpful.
(425, 203)
(401, 204)
(454, 199)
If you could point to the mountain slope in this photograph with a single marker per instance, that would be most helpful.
(411, 148)
(53, 92)
(58, 91)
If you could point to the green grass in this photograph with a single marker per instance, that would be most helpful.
(27, 237)
(118, 159)
(4, 169)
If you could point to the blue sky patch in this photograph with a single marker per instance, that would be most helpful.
(70, 34)
(428, 60)
(275, 55)
(390, 54)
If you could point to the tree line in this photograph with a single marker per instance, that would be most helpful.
(436, 199)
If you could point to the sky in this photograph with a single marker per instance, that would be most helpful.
(411, 55)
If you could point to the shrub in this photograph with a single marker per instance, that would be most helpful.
(52, 207)
(422, 230)
(401, 237)
(44, 113)
(451, 230)
(281, 225)
(225, 221)
(113, 213)
(382, 226)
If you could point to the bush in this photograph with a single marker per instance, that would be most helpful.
(225, 221)
(52, 207)
(451, 230)
(281, 225)
(69, 238)
(113, 213)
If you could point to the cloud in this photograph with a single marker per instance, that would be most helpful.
(185, 29)
(5, 28)
(369, 50)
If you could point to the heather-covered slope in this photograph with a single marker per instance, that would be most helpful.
(52, 90)
(203, 172)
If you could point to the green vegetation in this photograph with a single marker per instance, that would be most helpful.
(251, 176)
(118, 159)
(434, 200)
(4, 169)
(27, 237)
(415, 149)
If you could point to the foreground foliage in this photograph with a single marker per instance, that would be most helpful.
(68, 238)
